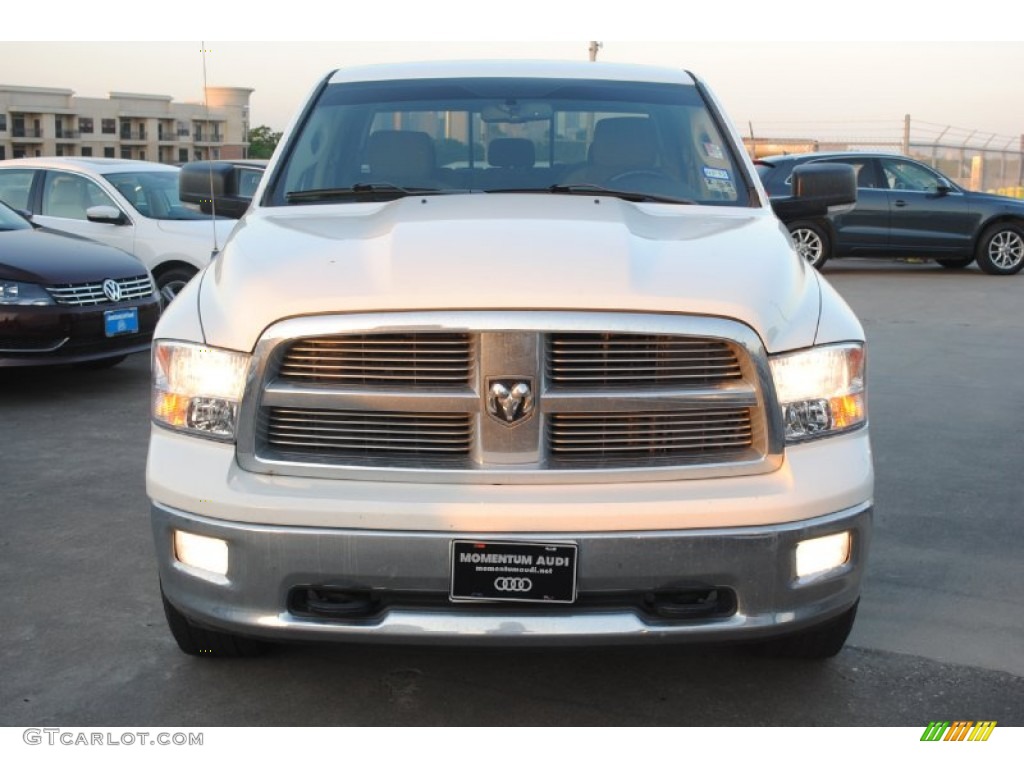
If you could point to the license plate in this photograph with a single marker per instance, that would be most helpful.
(120, 321)
(513, 571)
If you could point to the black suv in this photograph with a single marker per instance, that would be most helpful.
(905, 208)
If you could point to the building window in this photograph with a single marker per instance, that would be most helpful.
(86, 151)
(85, 125)
(142, 154)
(108, 151)
(3, 122)
(126, 153)
(60, 150)
(109, 125)
(182, 155)
(3, 152)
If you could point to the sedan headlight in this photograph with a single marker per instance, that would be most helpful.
(821, 390)
(197, 389)
(24, 294)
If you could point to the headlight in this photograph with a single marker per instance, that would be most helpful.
(197, 389)
(24, 294)
(821, 390)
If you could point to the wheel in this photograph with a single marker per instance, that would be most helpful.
(100, 365)
(811, 242)
(1001, 249)
(952, 263)
(820, 642)
(199, 641)
(170, 283)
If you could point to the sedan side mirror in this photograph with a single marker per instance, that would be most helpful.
(818, 190)
(105, 214)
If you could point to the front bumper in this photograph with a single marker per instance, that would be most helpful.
(409, 572)
(58, 335)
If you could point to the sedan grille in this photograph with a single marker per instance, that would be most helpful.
(87, 294)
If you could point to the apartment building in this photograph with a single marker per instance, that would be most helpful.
(43, 122)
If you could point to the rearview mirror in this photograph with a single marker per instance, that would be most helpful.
(818, 190)
(223, 188)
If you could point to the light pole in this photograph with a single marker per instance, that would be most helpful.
(595, 46)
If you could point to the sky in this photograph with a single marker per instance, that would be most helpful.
(786, 68)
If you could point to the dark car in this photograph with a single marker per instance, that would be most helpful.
(65, 299)
(905, 208)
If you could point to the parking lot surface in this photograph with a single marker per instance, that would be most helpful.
(940, 634)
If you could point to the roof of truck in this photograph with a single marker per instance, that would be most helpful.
(582, 70)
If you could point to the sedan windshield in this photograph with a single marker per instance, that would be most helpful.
(154, 194)
(646, 142)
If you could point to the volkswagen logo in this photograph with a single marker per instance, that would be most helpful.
(510, 400)
(112, 290)
(512, 584)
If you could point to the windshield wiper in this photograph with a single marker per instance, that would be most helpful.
(624, 194)
(380, 189)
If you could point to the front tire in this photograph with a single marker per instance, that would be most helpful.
(811, 242)
(955, 263)
(819, 642)
(1001, 249)
(199, 641)
(170, 283)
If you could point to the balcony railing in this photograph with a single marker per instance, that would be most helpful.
(133, 136)
(63, 134)
(27, 133)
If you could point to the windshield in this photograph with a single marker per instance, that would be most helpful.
(10, 220)
(379, 140)
(154, 194)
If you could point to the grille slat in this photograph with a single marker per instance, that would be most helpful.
(86, 294)
(619, 359)
(660, 435)
(359, 434)
(412, 360)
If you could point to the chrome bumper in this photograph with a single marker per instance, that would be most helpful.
(267, 562)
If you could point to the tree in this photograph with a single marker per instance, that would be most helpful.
(262, 141)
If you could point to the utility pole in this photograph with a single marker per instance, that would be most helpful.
(595, 46)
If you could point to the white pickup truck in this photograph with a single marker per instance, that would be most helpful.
(511, 353)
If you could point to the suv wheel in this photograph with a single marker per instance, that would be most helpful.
(199, 641)
(811, 242)
(170, 283)
(1001, 249)
(819, 642)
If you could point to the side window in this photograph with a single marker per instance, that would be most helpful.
(900, 174)
(15, 184)
(68, 196)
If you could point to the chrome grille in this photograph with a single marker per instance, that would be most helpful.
(658, 435)
(360, 434)
(86, 294)
(411, 397)
(393, 359)
(621, 360)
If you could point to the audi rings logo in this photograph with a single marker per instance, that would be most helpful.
(512, 584)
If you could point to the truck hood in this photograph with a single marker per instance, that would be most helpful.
(504, 252)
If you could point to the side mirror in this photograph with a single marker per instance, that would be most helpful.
(942, 190)
(105, 214)
(818, 190)
(219, 187)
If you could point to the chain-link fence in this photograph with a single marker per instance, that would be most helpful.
(974, 159)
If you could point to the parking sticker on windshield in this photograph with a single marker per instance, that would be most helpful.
(719, 182)
(713, 151)
(716, 173)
